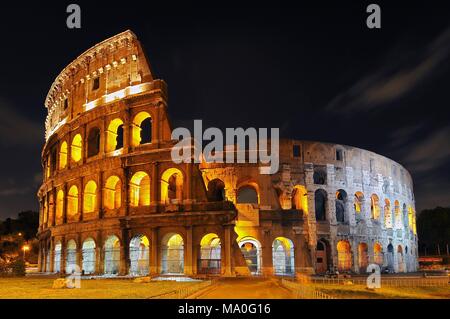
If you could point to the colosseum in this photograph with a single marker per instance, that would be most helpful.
(114, 203)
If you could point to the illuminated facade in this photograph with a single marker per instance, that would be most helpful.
(113, 202)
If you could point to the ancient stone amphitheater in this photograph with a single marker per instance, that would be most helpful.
(113, 202)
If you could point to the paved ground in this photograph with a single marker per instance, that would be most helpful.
(246, 288)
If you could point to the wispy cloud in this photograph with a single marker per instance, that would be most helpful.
(16, 129)
(14, 191)
(393, 81)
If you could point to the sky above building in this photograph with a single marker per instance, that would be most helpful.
(316, 72)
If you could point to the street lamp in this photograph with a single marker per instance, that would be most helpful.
(25, 248)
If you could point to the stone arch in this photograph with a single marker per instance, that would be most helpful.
(387, 213)
(344, 255)
(172, 181)
(323, 256)
(300, 198)
(210, 257)
(341, 206)
(140, 189)
(320, 204)
(76, 148)
(142, 129)
(247, 194)
(59, 209)
(375, 207)
(283, 256)
(397, 214)
(93, 142)
(71, 256)
(390, 257)
(216, 190)
(172, 254)
(358, 203)
(72, 201)
(400, 259)
(363, 257)
(57, 257)
(114, 135)
(89, 256)
(378, 254)
(112, 193)
(139, 255)
(63, 155)
(252, 252)
(90, 197)
(112, 255)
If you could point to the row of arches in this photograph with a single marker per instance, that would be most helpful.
(172, 255)
(139, 193)
(141, 133)
(345, 256)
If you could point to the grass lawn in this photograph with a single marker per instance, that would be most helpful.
(41, 288)
(359, 291)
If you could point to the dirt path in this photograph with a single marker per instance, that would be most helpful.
(246, 288)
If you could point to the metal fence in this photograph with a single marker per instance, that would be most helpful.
(304, 291)
(184, 292)
(434, 281)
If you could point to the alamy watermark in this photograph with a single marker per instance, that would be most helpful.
(235, 146)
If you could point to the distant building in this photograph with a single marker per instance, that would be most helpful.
(113, 202)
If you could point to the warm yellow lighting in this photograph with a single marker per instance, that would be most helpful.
(76, 148)
(72, 201)
(25, 248)
(171, 185)
(300, 199)
(63, 156)
(375, 207)
(140, 189)
(59, 204)
(112, 193)
(111, 135)
(136, 128)
(90, 197)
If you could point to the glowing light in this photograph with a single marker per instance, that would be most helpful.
(26, 248)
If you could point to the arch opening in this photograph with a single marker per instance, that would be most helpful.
(172, 261)
(210, 257)
(344, 256)
(320, 201)
(71, 256)
(57, 257)
(172, 186)
(251, 250)
(283, 256)
(93, 142)
(112, 255)
(114, 135)
(139, 255)
(216, 190)
(112, 195)
(90, 197)
(141, 129)
(140, 189)
(88, 255)
(76, 148)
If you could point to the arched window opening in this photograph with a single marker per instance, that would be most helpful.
(247, 194)
(378, 254)
(140, 189)
(90, 197)
(390, 257)
(112, 255)
(210, 258)
(172, 186)
(141, 129)
(320, 201)
(374, 207)
(387, 214)
(322, 256)
(59, 206)
(216, 190)
(400, 259)
(344, 256)
(71, 257)
(93, 141)
(57, 257)
(139, 255)
(363, 257)
(300, 198)
(112, 193)
(341, 202)
(251, 250)
(397, 214)
(114, 135)
(88, 254)
(63, 155)
(320, 176)
(283, 256)
(72, 201)
(358, 203)
(172, 254)
(76, 148)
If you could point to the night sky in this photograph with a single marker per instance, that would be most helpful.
(314, 70)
